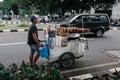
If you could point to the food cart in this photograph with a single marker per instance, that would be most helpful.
(66, 46)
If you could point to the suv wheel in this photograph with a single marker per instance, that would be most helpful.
(99, 33)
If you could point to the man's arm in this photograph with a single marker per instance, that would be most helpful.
(36, 39)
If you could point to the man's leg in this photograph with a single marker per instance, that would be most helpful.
(31, 58)
(35, 59)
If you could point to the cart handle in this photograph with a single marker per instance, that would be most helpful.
(43, 41)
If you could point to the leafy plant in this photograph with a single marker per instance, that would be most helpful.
(4, 74)
(26, 72)
(1, 25)
(23, 25)
(54, 74)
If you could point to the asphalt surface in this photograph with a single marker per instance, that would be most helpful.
(13, 49)
(96, 55)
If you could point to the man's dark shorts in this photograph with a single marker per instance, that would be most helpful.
(33, 48)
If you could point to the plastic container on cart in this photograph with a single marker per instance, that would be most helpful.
(52, 42)
(73, 36)
(44, 51)
(52, 33)
(61, 41)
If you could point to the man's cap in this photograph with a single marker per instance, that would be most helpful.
(33, 17)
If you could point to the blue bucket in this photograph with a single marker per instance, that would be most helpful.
(44, 51)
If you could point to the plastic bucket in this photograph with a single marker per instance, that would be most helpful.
(44, 51)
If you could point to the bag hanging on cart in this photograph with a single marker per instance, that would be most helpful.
(44, 51)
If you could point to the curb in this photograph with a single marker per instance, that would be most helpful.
(24, 30)
(93, 75)
(11, 22)
(114, 28)
(17, 22)
(17, 30)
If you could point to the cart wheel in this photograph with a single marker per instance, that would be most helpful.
(66, 60)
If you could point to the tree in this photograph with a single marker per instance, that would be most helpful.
(31, 5)
(15, 9)
(55, 6)
(8, 5)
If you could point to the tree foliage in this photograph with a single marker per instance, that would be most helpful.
(8, 5)
(55, 6)
(30, 5)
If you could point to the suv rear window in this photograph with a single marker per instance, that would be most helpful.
(95, 18)
(103, 18)
(82, 18)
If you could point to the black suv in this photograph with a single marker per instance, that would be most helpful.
(97, 23)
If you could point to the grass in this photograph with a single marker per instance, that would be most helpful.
(15, 26)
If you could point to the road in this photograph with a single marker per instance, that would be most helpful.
(13, 49)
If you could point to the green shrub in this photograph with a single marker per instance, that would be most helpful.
(23, 25)
(26, 72)
(1, 21)
(1, 25)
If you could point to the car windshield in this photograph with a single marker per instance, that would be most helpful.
(69, 18)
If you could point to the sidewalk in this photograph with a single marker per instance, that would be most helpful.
(17, 30)
(13, 26)
(24, 30)
(110, 74)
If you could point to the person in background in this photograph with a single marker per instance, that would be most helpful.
(33, 41)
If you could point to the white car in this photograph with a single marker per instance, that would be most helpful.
(45, 19)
